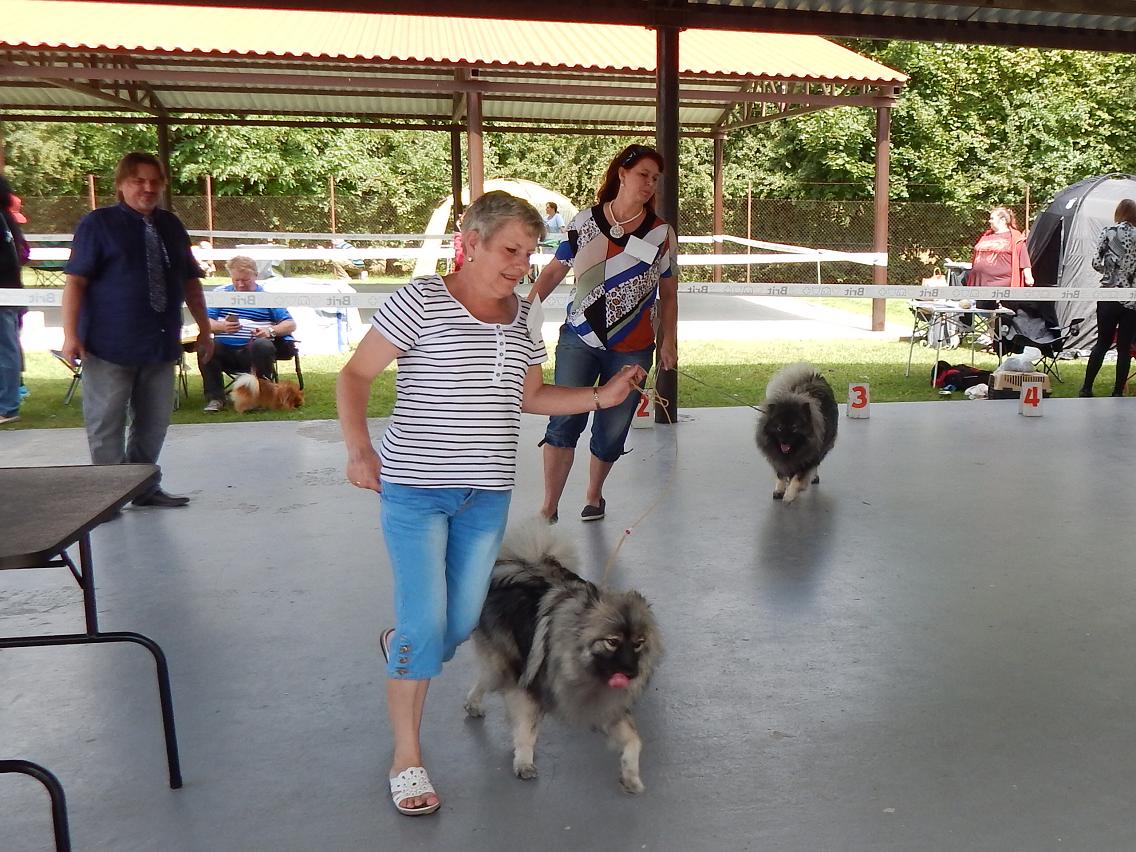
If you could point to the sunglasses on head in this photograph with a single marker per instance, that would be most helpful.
(634, 153)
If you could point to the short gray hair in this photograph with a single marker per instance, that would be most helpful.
(241, 263)
(494, 209)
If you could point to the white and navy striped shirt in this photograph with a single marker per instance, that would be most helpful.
(457, 412)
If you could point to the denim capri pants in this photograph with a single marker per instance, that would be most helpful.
(442, 544)
(578, 365)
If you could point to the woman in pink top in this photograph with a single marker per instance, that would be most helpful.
(1000, 256)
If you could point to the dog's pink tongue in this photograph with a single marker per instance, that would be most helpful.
(786, 447)
(619, 681)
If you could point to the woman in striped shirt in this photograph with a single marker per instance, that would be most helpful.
(623, 257)
(469, 362)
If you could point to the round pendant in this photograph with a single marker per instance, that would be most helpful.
(616, 231)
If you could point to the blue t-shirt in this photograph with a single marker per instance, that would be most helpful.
(250, 317)
(116, 322)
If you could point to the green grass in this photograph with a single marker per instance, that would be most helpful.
(726, 373)
(897, 310)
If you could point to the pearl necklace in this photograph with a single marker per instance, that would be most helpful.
(617, 227)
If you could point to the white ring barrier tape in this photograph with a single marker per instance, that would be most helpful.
(47, 297)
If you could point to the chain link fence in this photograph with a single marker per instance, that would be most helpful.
(921, 235)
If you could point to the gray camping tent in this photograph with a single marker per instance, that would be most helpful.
(1063, 240)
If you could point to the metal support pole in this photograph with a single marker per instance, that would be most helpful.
(92, 198)
(749, 225)
(456, 170)
(331, 201)
(209, 205)
(880, 226)
(164, 158)
(719, 152)
(476, 150)
(666, 137)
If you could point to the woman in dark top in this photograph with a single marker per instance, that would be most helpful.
(1116, 261)
(13, 254)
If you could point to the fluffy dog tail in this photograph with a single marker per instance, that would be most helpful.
(534, 541)
(246, 392)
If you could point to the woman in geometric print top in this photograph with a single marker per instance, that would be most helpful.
(1115, 259)
(626, 287)
(469, 362)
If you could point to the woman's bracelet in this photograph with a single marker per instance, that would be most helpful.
(596, 399)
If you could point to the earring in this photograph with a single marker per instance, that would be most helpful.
(469, 259)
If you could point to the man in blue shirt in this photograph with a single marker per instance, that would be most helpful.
(246, 338)
(130, 271)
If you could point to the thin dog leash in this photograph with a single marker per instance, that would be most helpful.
(719, 390)
(665, 405)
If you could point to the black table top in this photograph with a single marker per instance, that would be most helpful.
(44, 510)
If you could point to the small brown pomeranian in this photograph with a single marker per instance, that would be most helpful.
(251, 392)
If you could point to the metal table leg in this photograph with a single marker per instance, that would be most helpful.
(54, 789)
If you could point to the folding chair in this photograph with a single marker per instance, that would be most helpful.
(274, 373)
(295, 363)
(1053, 349)
(1050, 349)
(76, 371)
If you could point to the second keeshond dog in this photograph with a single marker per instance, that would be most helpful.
(797, 427)
(552, 642)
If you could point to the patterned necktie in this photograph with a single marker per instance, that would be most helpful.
(155, 266)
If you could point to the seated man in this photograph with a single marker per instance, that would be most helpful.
(246, 339)
(347, 268)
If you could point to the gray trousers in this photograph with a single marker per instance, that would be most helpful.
(126, 410)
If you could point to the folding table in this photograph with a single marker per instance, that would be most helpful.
(45, 511)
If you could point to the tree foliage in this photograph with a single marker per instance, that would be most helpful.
(974, 127)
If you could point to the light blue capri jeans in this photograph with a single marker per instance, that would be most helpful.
(578, 365)
(442, 544)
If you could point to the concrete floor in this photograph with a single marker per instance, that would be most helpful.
(931, 651)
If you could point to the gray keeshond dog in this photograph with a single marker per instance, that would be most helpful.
(552, 642)
(797, 427)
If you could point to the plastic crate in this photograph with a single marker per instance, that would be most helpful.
(1014, 381)
(1009, 385)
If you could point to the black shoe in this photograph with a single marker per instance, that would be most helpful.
(594, 513)
(160, 498)
(1085, 392)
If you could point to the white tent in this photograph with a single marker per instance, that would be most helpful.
(531, 192)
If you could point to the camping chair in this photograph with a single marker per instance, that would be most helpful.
(76, 371)
(274, 373)
(295, 364)
(1051, 348)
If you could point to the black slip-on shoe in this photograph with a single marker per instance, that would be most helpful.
(594, 513)
(160, 499)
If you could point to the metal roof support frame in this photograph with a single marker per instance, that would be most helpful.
(666, 137)
(456, 170)
(163, 127)
(719, 227)
(476, 149)
(880, 220)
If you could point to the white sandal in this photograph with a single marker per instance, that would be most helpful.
(412, 782)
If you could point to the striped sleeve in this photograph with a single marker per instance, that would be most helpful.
(399, 319)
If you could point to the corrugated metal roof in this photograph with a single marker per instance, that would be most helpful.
(1066, 24)
(185, 30)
